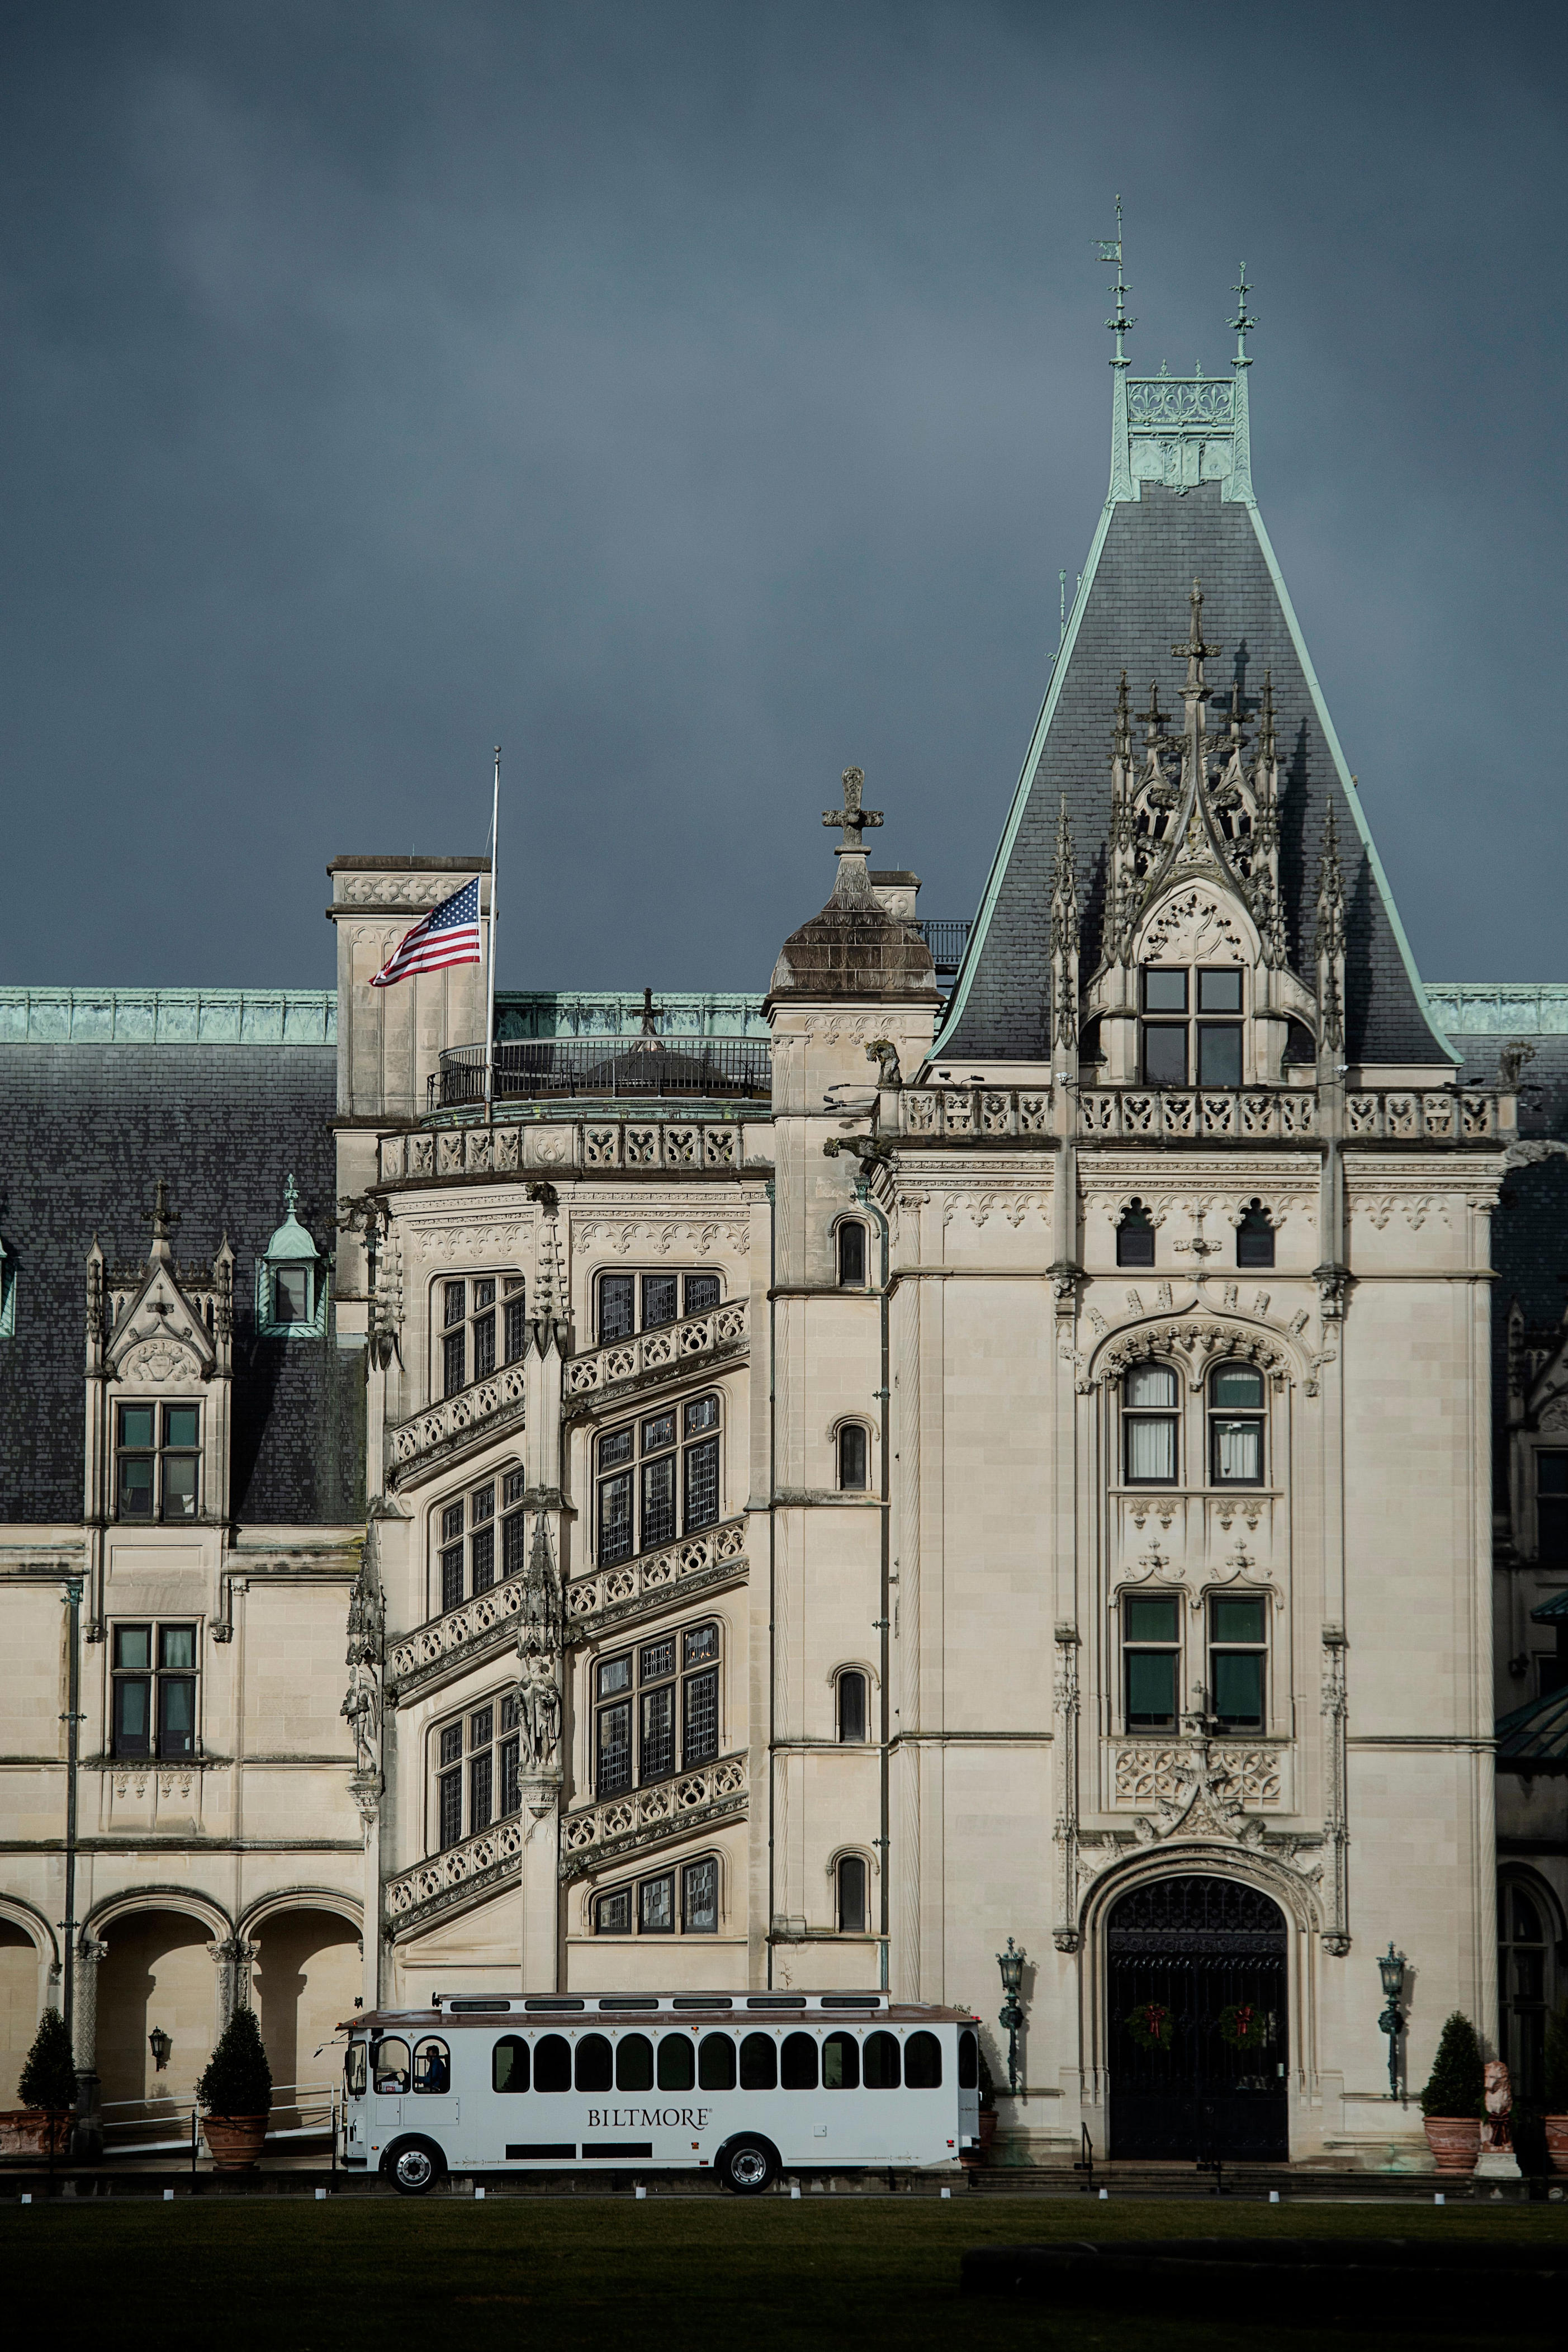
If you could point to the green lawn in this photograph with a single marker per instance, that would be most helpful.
(657, 2276)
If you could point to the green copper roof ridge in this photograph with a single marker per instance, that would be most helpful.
(960, 996)
(1351, 795)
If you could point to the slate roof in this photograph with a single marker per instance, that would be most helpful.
(84, 1130)
(1130, 610)
(1535, 1734)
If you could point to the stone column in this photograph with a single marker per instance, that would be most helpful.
(540, 1952)
(87, 2139)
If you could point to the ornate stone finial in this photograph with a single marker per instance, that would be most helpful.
(1329, 940)
(851, 817)
(291, 1196)
(165, 1219)
(1153, 719)
(1194, 652)
(540, 1630)
(1236, 738)
(1119, 322)
(1122, 731)
(1266, 720)
(1241, 323)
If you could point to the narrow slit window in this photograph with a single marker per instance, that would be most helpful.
(851, 1255)
(1136, 1236)
(852, 1893)
(854, 1458)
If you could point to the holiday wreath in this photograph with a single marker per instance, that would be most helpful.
(1245, 2026)
(1151, 2026)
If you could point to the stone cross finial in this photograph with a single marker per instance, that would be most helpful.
(651, 1013)
(163, 1217)
(852, 816)
(1195, 650)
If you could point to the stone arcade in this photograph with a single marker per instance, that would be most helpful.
(798, 1489)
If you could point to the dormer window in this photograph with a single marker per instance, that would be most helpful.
(291, 1280)
(1178, 1050)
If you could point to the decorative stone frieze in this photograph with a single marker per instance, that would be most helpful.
(645, 1818)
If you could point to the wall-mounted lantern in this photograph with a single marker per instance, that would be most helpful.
(1012, 1964)
(158, 2041)
(1391, 1968)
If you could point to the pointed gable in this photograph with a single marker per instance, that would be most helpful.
(1181, 509)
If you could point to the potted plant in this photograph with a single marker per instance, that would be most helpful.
(1453, 2099)
(236, 2092)
(1555, 2087)
(47, 2091)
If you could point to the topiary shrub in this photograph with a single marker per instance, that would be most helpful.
(237, 2080)
(49, 2076)
(1556, 2081)
(1457, 2084)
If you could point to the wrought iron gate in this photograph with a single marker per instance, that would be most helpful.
(1197, 2022)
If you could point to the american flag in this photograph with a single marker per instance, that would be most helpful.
(449, 934)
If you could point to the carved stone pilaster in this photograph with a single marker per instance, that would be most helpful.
(234, 1959)
(84, 2004)
(1065, 1934)
(1336, 1826)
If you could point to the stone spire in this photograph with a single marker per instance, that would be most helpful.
(1330, 943)
(1064, 936)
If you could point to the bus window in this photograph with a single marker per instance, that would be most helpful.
(509, 2064)
(841, 2063)
(922, 2062)
(798, 2071)
(552, 2062)
(593, 2062)
(679, 2061)
(881, 2062)
(968, 2060)
(758, 2062)
(432, 2067)
(716, 2060)
(354, 2075)
(633, 2063)
(389, 2066)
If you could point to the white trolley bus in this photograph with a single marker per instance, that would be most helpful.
(745, 2085)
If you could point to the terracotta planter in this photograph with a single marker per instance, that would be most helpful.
(1556, 2129)
(234, 2142)
(35, 2131)
(1455, 2141)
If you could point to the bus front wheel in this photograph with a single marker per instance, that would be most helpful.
(746, 2165)
(414, 2167)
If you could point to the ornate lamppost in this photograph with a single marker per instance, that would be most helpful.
(1012, 1964)
(1391, 1968)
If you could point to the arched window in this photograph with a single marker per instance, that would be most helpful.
(657, 1478)
(1135, 1236)
(477, 1763)
(715, 2062)
(851, 1255)
(855, 1452)
(853, 1709)
(466, 1552)
(852, 1906)
(432, 2067)
(1524, 1971)
(759, 2063)
(881, 2066)
(648, 1907)
(922, 2062)
(552, 2062)
(467, 1340)
(677, 2062)
(633, 2063)
(1151, 1400)
(593, 2065)
(389, 2065)
(509, 2064)
(841, 2063)
(1235, 1422)
(798, 2064)
(1255, 1236)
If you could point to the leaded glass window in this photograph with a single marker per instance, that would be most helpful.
(673, 1684)
(466, 1531)
(470, 1338)
(669, 1902)
(656, 1478)
(478, 1770)
(629, 1302)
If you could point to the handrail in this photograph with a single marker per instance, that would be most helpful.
(605, 1069)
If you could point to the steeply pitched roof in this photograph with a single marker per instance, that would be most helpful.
(85, 1127)
(1181, 507)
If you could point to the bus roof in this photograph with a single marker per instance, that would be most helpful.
(447, 2009)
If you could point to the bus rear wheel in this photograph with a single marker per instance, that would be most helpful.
(414, 2167)
(746, 2165)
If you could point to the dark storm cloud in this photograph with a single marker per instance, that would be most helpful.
(701, 398)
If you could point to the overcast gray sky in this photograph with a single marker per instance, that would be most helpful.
(700, 398)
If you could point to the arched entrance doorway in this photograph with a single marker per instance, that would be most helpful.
(307, 1972)
(1197, 2022)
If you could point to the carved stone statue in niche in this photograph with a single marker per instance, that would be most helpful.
(538, 1709)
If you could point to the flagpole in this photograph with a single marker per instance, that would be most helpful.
(494, 865)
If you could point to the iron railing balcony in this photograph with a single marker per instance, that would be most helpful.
(608, 1069)
(946, 937)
